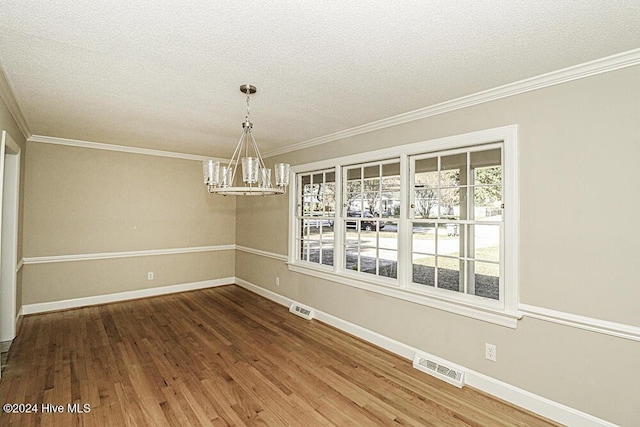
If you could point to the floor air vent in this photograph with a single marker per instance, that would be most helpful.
(299, 310)
(439, 369)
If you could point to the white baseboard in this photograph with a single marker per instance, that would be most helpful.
(517, 396)
(122, 296)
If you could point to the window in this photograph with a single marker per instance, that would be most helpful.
(316, 216)
(456, 220)
(433, 223)
(371, 195)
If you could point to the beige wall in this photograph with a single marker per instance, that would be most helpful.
(578, 149)
(579, 144)
(88, 201)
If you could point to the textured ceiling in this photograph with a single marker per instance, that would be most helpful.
(165, 74)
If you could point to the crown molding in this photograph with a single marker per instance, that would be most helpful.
(121, 148)
(7, 96)
(587, 69)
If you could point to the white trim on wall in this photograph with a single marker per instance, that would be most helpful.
(114, 147)
(122, 296)
(517, 396)
(606, 327)
(260, 252)
(587, 69)
(126, 254)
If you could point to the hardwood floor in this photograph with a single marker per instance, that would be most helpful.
(222, 356)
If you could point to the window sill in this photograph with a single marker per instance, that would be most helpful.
(500, 317)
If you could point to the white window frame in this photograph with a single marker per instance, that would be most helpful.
(504, 311)
(344, 218)
(301, 217)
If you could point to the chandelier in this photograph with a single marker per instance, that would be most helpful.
(256, 177)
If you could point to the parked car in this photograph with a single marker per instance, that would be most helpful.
(364, 224)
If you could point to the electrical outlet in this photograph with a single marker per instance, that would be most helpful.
(150, 275)
(490, 351)
(277, 281)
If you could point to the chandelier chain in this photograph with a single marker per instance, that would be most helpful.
(248, 111)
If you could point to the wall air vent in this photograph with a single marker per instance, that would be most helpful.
(302, 311)
(439, 368)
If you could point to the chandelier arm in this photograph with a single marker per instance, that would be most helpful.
(255, 147)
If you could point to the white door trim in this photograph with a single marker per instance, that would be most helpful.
(9, 194)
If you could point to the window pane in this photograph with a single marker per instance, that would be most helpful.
(351, 258)
(388, 263)
(450, 271)
(453, 203)
(311, 228)
(371, 172)
(368, 226)
(329, 201)
(449, 242)
(424, 238)
(486, 242)
(391, 183)
(306, 209)
(368, 259)
(424, 269)
(391, 170)
(351, 235)
(426, 172)
(391, 206)
(388, 235)
(354, 173)
(371, 203)
(453, 170)
(354, 186)
(327, 254)
(487, 202)
(354, 205)
(390, 197)
(426, 203)
(487, 280)
(425, 188)
(487, 167)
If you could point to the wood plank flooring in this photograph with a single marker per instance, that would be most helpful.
(223, 356)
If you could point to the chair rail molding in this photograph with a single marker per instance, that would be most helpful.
(606, 327)
(125, 254)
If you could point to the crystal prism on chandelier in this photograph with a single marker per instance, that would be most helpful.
(256, 177)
